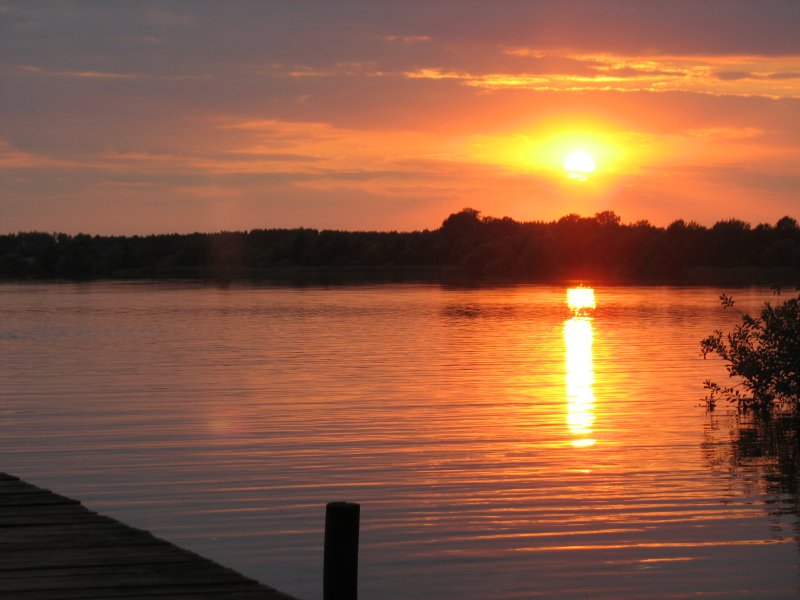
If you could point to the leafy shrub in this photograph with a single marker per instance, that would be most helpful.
(764, 354)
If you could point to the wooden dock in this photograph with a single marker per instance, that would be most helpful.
(53, 548)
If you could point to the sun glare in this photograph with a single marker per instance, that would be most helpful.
(581, 150)
(579, 164)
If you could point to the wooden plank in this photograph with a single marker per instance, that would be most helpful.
(11, 485)
(188, 592)
(142, 575)
(52, 557)
(40, 517)
(33, 499)
(53, 547)
(38, 508)
(70, 535)
(115, 540)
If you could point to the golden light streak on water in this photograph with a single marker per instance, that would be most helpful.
(578, 336)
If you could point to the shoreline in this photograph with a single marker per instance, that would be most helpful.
(448, 275)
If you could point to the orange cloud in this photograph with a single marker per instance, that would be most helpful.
(747, 75)
(13, 158)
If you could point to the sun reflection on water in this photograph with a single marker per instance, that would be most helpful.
(581, 299)
(578, 336)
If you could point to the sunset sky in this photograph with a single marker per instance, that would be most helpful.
(147, 116)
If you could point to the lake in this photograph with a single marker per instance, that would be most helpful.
(500, 446)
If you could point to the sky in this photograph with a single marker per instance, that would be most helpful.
(135, 117)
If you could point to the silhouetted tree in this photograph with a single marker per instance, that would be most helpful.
(600, 247)
(13, 265)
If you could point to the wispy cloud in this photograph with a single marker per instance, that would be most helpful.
(727, 133)
(12, 158)
(339, 69)
(159, 16)
(406, 39)
(751, 75)
(739, 75)
(93, 74)
(32, 69)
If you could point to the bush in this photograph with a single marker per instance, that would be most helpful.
(764, 354)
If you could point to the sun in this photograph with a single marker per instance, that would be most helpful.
(579, 164)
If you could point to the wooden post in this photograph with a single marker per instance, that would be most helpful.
(340, 571)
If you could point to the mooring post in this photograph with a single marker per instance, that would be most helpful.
(340, 571)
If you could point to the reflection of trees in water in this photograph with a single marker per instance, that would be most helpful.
(759, 457)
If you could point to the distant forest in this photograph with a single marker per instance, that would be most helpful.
(598, 248)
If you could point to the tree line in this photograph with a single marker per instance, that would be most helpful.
(595, 248)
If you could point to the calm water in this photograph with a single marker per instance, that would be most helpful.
(499, 448)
